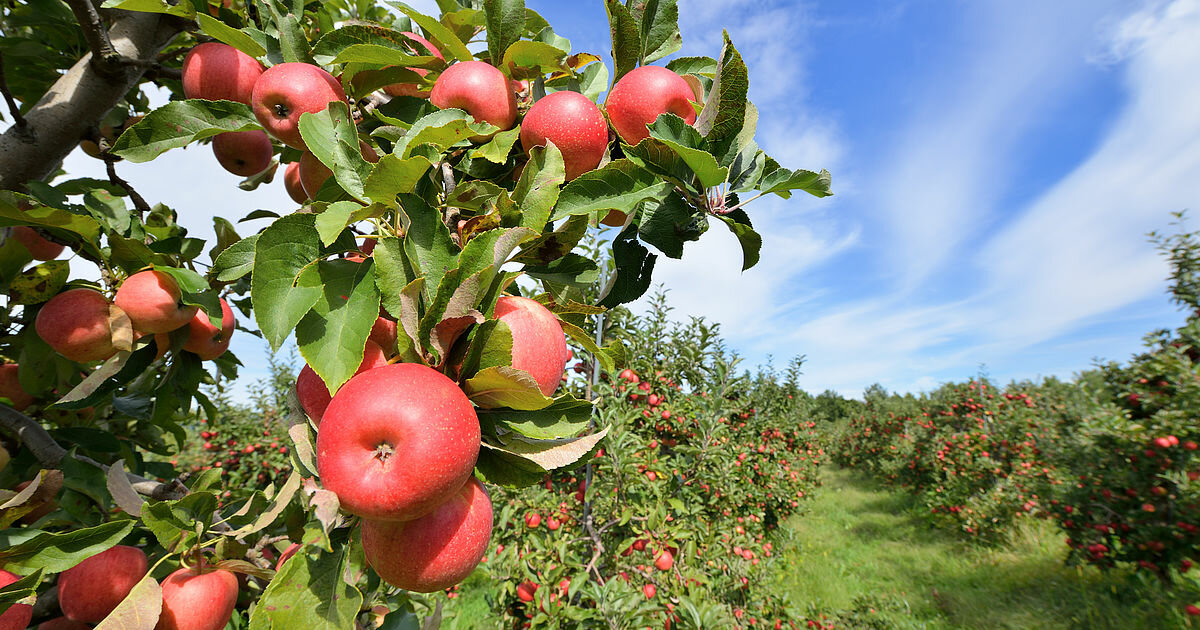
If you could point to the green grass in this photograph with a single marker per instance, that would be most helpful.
(860, 555)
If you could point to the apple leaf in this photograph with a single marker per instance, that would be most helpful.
(497, 149)
(635, 266)
(385, 55)
(394, 176)
(442, 37)
(659, 22)
(47, 217)
(442, 129)
(464, 23)
(528, 60)
(139, 610)
(685, 141)
(178, 124)
(183, 9)
(551, 246)
(278, 289)
(303, 453)
(279, 503)
(626, 40)
(40, 282)
(746, 169)
(332, 335)
(57, 552)
(235, 261)
(504, 386)
(781, 181)
(670, 223)
(619, 185)
(309, 592)
(538, 188)
(521, 461)
(226, 34)
(332, 138)
(174, 522)
(739, 223)
(606, 356)
(22, 591)
(336, 41)
(427, 243)
(194, 290)
(122, 490)
(293, 44)
(491, 346)
(505, 25)
(565, 418)
(724, 113)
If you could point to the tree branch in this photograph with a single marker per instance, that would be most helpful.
(18, 119)
(79, 99)
(104, 56)
(50, 454)
(139, 202)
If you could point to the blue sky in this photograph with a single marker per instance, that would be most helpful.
(997, 165)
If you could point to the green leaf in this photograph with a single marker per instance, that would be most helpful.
(606, 356)
(659, 20)
(57, 552)
(277, 287)
(427, 243)
(533, 59)
(447, 40)
(504, 386)
(626, 40)
(309, 593)
(182, 9)
(394, 176)
(224, 33)
(293, 44)
(442, 129)
(685, 141)
(505, 25)
(332, 335)
(194, 290)
(226, 235)
(385, 55)
(699, 66)
(497, 149)
(331, 137)
(781, 181)
(635, 266)
(335, 42)
(22, 591)
(140, 608)
(619, 185)
(724, 113)
(572, 269)
(751, 242)
(236, 261)
(40, 282)
(178, 124)
(670, 223)
(333, 220)
(174, 522)
(539, 187)
(565, 418)
(491, 346)
(551, 246)
(522, 461)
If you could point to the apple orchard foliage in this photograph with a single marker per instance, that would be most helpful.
(452, 215)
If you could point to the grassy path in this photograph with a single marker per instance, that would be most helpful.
(858, 550)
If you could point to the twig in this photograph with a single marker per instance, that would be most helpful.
(18, 119)
(143, 208)
(50, 455)
(105, 58)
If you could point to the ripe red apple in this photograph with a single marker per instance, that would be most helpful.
(574, 124)
(314, 395)
(644, 93)
(664, 560)
(204, 339)
(197, 600)
(287, 90)
(539, 345)
(215, 71)
(650, 591)
(409, 89)
(291, 183)
(397, 441)
(532, 520)
(151, 299)
(313, 173)
(435, 551)
(479, 89)
(38, 246)
(75, 323)
(243, 153)
(62, 623)
(10, 388)
(525, 590)
(90, 590)
(384, 333)
(17, 616)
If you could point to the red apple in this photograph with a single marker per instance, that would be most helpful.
(287, 555)
(479, 89)
(243, 153)
(397, 441)
(76, 324)
(409, 89)
(215, 71)
(10, 387)
(314, 395)
(287, 90)
(664, 560)
(197, 600)
(17, 616)
(539, 345)
(291, 183)
(90, 590)
(650, 591)
(574, 124)
(38, 246)
(62, 623)
(206, 340)
(525, 591)
(152, 300)
(435, 551)
(532, 520)
(644, 93)
(313, 173)
(384, 333)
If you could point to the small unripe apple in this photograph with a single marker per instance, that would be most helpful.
(10, 388)
(574, 124)
(397, 441)
(286, 91)
(215, 71)
(76, 324)
(18, 615)
(435, 551)
(153, 302)
(314, 395)
(197, 601)
(291, 183)
(38, 246)
(641, 95)
(204, 339)
(479, 89)
(313, 173)
(243, 153)
(62, 623)
(539, 345)
(409, 89)
(90, 590)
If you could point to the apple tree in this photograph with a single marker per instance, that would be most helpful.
(446, 172)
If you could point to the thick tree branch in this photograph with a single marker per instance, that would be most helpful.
(50, 454)
(18, 119)
(79, 99)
